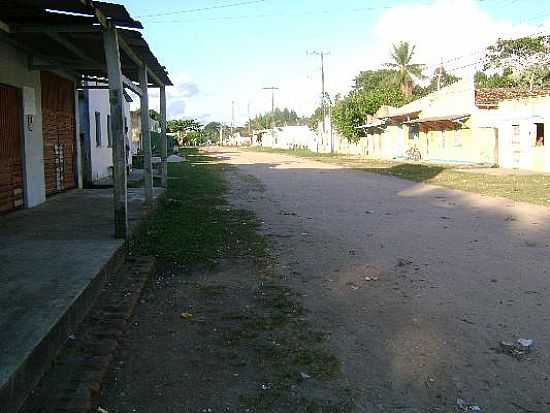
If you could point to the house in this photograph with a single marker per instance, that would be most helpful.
(47, 57)
(50, 51)
(463, 125)
(287, 137)
(237, 139)
(522, 119)
(96, 138)
(445, 127)
(135, 130)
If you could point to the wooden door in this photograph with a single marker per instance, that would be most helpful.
(11, 164)
(58, 122)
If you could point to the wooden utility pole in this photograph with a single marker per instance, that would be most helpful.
(116, 98)
(322, 54)
(146, 139)
(440, 75)
(232, 118)
(163, 138)
(273, 89)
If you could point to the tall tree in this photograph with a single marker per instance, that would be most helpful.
(407, 71)
(521, 62)
(439, 79)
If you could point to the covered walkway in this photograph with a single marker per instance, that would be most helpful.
(53, 261)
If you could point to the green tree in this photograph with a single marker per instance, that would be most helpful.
(521, 62)
(407, 71)
(211, 131)
(280, 117)
(183, 125)
(351, 112)
(375, 79)
(440, 78)
(153, 114)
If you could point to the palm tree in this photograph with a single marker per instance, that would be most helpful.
(407, 71)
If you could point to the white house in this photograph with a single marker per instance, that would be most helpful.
(95, 134)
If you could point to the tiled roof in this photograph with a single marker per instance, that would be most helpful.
(487, 98)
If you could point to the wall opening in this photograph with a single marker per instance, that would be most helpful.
(539, 140)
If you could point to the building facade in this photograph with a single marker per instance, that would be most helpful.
(39, 152)
(95, 134)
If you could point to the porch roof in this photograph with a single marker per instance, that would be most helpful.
(375, 124)
(67, 35)
(439, 122)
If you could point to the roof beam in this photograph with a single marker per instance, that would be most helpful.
(65, 28)
(132, 86)
(132, 55)
(5, 27)
(70, 47)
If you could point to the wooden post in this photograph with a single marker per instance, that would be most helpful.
(116, 98)
(146, 138)
(163, 139)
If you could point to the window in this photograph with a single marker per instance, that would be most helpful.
(98, 129)
(539, 141)
(516, 135)
(443, 139)
(109, 132)
(457, 141)
(413, 132)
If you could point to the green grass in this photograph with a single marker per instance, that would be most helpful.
(193, 224)
(533, 189)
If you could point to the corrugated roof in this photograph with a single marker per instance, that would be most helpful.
(22, 15)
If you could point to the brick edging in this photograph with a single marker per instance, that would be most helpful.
(74, 382)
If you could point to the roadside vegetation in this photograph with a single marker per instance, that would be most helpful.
(531, 188)
(267, 341)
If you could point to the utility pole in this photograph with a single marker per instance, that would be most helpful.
(323, 93)
(232, 118)
(440, 75)
(273, 89)
(249, 122)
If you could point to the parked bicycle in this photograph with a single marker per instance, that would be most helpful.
(413, 154)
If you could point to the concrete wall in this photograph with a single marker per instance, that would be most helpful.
(520, 150)
(102, 155)
(14, 72)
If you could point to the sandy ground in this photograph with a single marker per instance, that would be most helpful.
(417, 284)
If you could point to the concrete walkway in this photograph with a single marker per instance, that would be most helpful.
(52, 261)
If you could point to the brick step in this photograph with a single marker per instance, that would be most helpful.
(74, 381)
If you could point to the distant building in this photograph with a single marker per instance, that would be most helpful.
(96, 136)
(135, 130)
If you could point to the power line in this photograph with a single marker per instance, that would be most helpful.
(185, 11)
(272, 15)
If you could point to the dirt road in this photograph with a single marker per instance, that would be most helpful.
(416, 284)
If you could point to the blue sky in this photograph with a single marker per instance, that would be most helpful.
(230, 53)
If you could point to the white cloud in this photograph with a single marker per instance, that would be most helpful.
(456, 31)
(179, 97)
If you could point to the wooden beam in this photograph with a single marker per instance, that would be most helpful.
(132, 86)
(116, 99)
(92, 87)
(65, 28)
(5, 27)
(146, 140)
(163, 139)
(70, 47)
(135, 58)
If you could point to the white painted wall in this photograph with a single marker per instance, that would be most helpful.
(102, 155)
(14, 72)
